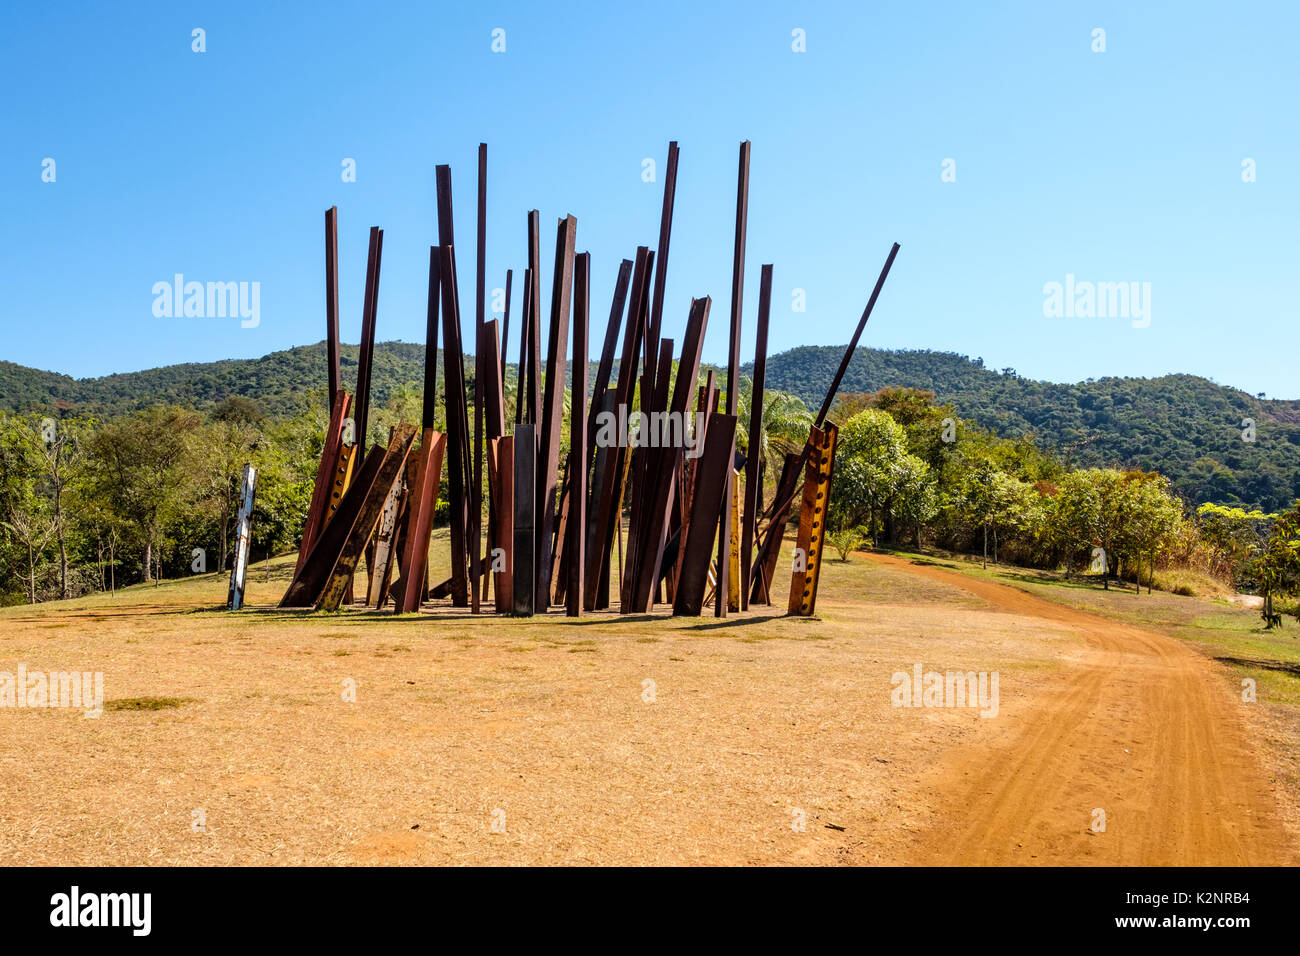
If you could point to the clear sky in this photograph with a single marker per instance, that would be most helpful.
(1115, 166)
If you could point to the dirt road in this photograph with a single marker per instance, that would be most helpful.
(1138, 726)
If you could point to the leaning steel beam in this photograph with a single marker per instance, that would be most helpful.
(770, 547)
(609, 486)
(754, 463)
(663, 480)
(725, 584)
(714, 471)
(661, 256)
(553, 411)
(812, 521)
(419, 521)
(644, 470)
(525, 505)
(332, 298)
(311, 578)
(606, 366)
(786, 490)
(853, 342)
(389, 472)
(326, 472)
(368, 310)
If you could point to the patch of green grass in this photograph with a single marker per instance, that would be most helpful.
(147, 703)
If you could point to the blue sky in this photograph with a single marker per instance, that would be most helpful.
(1117, 166)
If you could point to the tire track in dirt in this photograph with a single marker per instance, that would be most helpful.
(1138, 725)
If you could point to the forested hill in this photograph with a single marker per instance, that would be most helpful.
(1183, 426)
(1186, 427)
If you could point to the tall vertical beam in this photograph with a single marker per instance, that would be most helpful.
(608, 489)
(408, 593)
(332, 299)
(368, 309)
(505, 326)
(501, 459)
(661, 479)
(578, 434)
(661, 256)
(535, 318)
(753, 462)
(733, 373)
(713, 472)
(553, 412)
(457, 437)
(429, 401)
(606, 366)
(480, 372)
(525, 506)
(522, 388)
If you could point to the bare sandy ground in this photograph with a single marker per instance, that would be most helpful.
(756, 740)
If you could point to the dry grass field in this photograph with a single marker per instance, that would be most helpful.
(609, 740)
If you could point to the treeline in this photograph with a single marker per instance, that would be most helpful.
(1213, 443)
(911, 470)
(1187, 428)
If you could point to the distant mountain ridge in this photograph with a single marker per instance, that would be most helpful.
(1187, 427)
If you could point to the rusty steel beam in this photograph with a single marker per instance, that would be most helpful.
(609, 486)
(644, 469)
(753, 463)
(457, 437)
(662, 478)
(578, 435)
(480, 373)
(812, 521)
(713, 472)
(525, 504)
(501, 468)
(534, 319)
(724, 588)
(505, 326)
(332, 299)
(606, 366)
(325, 476)
(366, 357)
(770, 547)
(385, 540)
(408, 591)
(525, 335)
(310, 579)
(787, 487)
(389, 473)
(661, 256)
(553, 411)
(429, 402)
(853, 342)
